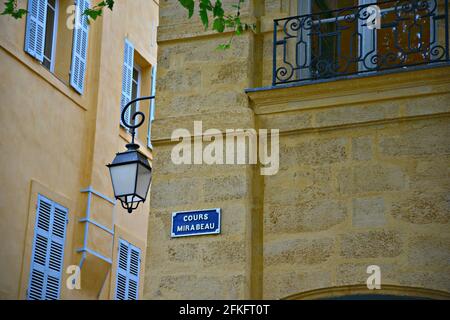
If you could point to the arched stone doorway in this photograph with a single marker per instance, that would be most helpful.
(361, 292)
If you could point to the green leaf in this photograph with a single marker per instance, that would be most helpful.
(218, 10)
(205, 6)
(224, 46)
(110, 4)
(189, 5)
(11, 9)
(221, 20)
(219, 25)
(18, 14)
(93, 13)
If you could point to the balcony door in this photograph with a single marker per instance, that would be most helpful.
(333, 38)
(327, 43)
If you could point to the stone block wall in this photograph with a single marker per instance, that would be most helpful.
(363, 179)
(197, 82)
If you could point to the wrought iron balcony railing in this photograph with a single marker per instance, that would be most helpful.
(361, 39)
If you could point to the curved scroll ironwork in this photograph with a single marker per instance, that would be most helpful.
(133, 117)
(344, 41)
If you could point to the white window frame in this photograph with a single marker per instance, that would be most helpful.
(152, 106)
(304, 8)
(54, 35)
(138, 86)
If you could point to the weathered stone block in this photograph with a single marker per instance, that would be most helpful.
(231, 73)
(426, 279)
(362, 148)
(298, 251)
(368, 212)
(311, 216)
(226, 188)
(281, 284)
(356, 273)
(314, 152)
(428, 252)
(195, 104)
(422, 208)
(179, 81)
(183, 252)
(238, 118)
(431, 174)
(175, 192)
(200, 287)
(425, 138)
(221, 253)
(371, 244)
(370, 178)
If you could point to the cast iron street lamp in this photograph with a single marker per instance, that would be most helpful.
(130, 171)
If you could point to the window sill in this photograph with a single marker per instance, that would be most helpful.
(309, 97)
(348, 77)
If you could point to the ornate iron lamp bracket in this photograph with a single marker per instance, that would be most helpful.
(133, 125)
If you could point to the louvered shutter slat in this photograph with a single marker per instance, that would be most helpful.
(127, 78)
(122, 265)
(133, 273)
(36, 285)
(128, 268)
(56, 254)
(121, 287)
(79, 47)
(35, 29)
(48, 250)
(52, 288)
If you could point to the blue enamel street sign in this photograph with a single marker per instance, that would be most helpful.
(195, 223)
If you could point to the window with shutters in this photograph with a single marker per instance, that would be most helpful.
(79, 47)
(128, 269)
(138, 79)
(127, 78)
(59, 46)
(48, 250)
(50, 35)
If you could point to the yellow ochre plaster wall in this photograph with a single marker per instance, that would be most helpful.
(57, 142)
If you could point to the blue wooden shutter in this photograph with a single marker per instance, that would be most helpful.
(48, 250)
(35, 30)
(127, 78)
(152, 108)
(128, 268)
(133, 273)
(79, 47)
(122, 267)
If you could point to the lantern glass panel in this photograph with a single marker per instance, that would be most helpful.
(144, 178)
(124, 178)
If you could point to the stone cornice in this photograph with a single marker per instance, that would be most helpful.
(347, 91)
